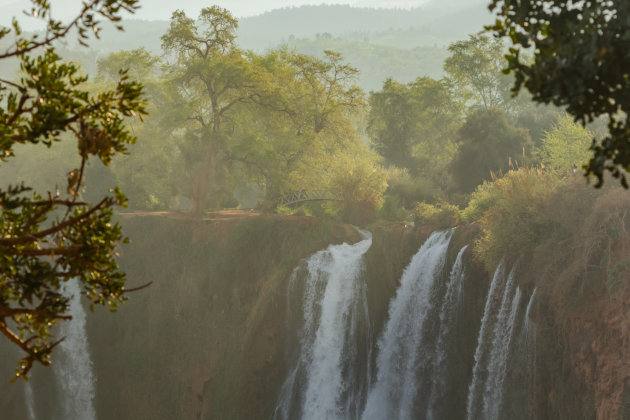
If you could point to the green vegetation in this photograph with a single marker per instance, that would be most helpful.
(565, 147)
(48, 238)
(442, 143)
(488, 144)
(580, 63)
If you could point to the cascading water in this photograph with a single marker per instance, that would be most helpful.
(72, 363)
(493, 392)
(29, 399)
(396, 387)
(479, 373)
(332, 376)
(493, 347)
(529, 338)
(448, 311)
(323, 383)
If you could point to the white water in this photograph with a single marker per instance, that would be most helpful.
(448, 310)
(332, 376)
(393, 394)
(29, 400)
(333, 305)
(528, 325)
(504, 327)
(479, 372)
(529, 336)
(72, 364)
(493, 347)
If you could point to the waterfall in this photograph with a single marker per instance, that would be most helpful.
(529, 338)
(72, 363)
(29, 399)
(527, 322)
(395, 390)
(493, 347)
(480, 354)
(331, 377)
(497, 365)
(323, 382)
(448, 311)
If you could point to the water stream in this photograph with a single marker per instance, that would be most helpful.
(323, 383)
(400, 349)
(72, 364)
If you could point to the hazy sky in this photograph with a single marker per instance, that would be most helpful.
(161, 9)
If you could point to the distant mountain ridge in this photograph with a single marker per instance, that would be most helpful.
(399, 43)
(432, 25)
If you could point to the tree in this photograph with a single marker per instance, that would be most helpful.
(247, 117)
(565, 146)
(360, 182)
(146, 174)
(413, 125)
(488, 144)
(213, 78)
(580, 62)
(139, 64)
(307, 111)
(45, 240)
(475, 68)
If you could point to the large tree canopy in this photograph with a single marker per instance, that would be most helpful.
(50, 237)
(580, 62)
(271, 120)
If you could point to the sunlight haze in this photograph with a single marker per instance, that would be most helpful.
(162, 9)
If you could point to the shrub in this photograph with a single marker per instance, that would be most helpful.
(440, 215)
(516, 214)
(361, 182)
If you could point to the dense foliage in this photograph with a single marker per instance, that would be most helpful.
(580, 62)
(48, 238)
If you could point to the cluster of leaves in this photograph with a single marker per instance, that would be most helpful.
(565, 147)
(440, 215)
(579, 63)
(45, 240)
(496, 147)
(514, 213)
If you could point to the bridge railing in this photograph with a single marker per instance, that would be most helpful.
(303, 195)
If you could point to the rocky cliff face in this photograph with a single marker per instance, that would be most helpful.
(209, 338)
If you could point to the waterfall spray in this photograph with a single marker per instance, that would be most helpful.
(479, 372)
(395, 390)
(529, 336)
(497, 364)
(448, 310)
(72, 365)
(29, 399)
(321, 383)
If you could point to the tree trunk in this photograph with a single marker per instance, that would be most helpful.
(201, 184)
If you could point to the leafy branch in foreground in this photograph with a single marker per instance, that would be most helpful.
(580, 63)
(47, 240)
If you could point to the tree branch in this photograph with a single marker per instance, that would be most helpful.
(29, 238)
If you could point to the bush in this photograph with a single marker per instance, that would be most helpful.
(361, 182)
(566, 146)
(410, 189)
(440, 215)
(393, 209)
(514, 213)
